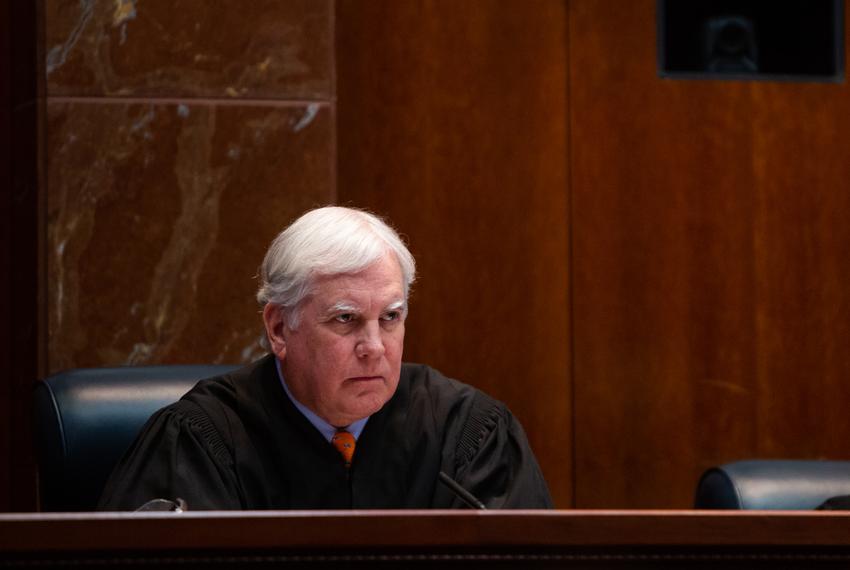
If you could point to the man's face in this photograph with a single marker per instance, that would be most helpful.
(343, 360)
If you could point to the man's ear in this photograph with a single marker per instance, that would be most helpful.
(275, 322)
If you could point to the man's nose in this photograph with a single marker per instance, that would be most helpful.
(370, 344)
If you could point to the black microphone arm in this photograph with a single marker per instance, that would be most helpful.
(462, 493)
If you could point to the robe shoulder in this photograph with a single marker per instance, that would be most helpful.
(181, 452)
(485, 448)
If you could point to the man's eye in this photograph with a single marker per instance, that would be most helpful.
(391, 316)
(344, 318)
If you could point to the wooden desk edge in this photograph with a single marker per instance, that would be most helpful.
(223, 530)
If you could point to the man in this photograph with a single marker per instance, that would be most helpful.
(331, 419)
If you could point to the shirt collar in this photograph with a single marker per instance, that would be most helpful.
(326, 429)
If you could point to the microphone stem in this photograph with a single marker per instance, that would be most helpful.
(462, 493)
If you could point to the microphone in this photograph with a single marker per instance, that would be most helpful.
(460, 492)
(164, 505)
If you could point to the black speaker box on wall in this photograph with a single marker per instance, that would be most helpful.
(795, 40)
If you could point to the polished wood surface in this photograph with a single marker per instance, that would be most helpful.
(338, 529)
(479, 539)
(710, 265)
(452, 122)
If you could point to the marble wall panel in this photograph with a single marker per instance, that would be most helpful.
(157, 219)
(189, 48)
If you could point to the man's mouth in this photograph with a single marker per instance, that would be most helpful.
(365, 378)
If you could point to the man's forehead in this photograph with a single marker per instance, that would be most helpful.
(363, 283)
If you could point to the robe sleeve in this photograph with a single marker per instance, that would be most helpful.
(179, 454)
(496, 464)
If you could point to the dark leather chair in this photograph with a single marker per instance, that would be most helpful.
(87, 418)
(772, 484)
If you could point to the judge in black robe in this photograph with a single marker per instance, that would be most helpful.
(238, 442)
(334, 289)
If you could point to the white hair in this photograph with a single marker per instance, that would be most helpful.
(327, 241)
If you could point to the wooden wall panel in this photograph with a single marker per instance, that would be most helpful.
(452, 122)
(710, 266)
(803, 270)
(20, 327)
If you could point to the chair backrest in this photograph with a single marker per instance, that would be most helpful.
(772, 484)
(87, 418)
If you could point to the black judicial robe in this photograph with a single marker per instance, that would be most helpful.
(237, 442)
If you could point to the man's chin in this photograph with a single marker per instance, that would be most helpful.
(366, 405)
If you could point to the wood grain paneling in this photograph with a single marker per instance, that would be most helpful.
(710, 266)
(803, 269)
(452, 121)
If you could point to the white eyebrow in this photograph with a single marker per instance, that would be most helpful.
(398, 305)
(348, 307)
(342, 307)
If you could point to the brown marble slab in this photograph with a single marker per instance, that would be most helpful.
(228, 48)
(157, 218)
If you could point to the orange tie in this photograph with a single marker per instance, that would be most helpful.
(344, 442)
